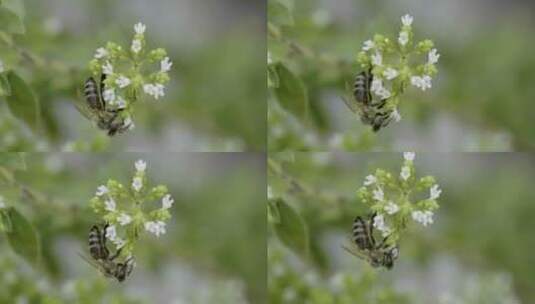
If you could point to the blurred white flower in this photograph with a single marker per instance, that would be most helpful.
(140, 165)
(409, 156)
(370, 179)
(167, 201)
(407, 20)
(289, 294)
(405, 173)
(390, 73)
(139, 28)
(378, 194)
(433, 56)
(122, 81)
(421, 82)
(403, 38)
(379, 223)
(368, 45)
(136, 46)
(2, 202)
(121, 103)
(101, 53)
(157, 228)
(101, 190)
(129, 123)
(423, 217)
(434, 192)
(396, 116)
(137, 183)
(124, 219)
(155, 90)
(110, 204)
(119, 243)
(377, 85)
(377, 59)
(165, 65)
(391, 208)
(383, 93)
(109, 95)
(111, 233)
(107, 68)
(269, 58)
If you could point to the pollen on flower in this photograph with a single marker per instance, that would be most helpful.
(137, 183)
(157, 228)
(124, 219)
(101, 190)
(165, 65)
(140, 165)
(167, 201)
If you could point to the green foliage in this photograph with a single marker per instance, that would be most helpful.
(22, 101)
(21, 235)
(290, 91)
(289, 227)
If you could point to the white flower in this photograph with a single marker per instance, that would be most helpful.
(421, 82)
(140, 165)
(269, 58)
(396, 116)
(368, 45)
(423, 217)
(156, 228)
(111, 233)
(121, 103)
(139, 28)
(434, 192)
(107, 68)
(109, 95)
(377, 59)
(403, 38)
(378, 194)
(137, 183)
(155, 90)
(128, 122)
(101, 190)
(136, 46)
(119, 243)
(167, 201)
(370, 179)
(101, 53)
(165, 65)
(391, 208)
(409, 156)
(122, 81)
(379, 224)
(110, 204)
(383, 93)
(2, 202)
(2, 69)
(390, 73)
(407, 20)
(433, 56)
(405, 173)
(377, 85)
(124, 219)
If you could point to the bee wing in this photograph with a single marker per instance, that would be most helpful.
(349, 101)
(90, 262)
(351, 248)
(84, 108)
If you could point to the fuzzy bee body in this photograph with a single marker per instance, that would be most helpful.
(378, 255)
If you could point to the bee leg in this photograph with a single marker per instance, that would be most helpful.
(117, 253)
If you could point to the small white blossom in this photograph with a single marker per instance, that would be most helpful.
(165, 65)
(423, 217)
(110, 204)
(157, 228)
(396, 116)
(124, 219)
(101, 190)
(119, 243)
(101, 53)
(377, 59)
(391, 208)
(122, 81)
(379, 224)
(409, 156)
(433, 56)
(434, 192)
(403, 38)
(121, 103)
(407, 20)
(109, 95)
(383, 93)
(167, 201)
(136, 46)
(390, 73)
(140, 165)
(421, 82)
(405, 173)
(107, 68)
(370, 179)
(137, 183)
(378, 194)
(368, 45)
(155, 90)
(128, 122)
(111, 233)
(139, 28)
(269, 58)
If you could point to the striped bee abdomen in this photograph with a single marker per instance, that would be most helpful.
(92, 94)
(97, 246)
(361, 87)
(362, 234)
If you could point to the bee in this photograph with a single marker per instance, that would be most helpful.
(102, 260)
(365, 246)
(96, 109)
(372, 112)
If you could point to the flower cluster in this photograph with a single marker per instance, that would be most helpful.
(389, 195)
(123, 209)
(390, 62)
(126, 71)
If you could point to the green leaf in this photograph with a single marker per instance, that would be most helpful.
(291, 229)
(5, 88)
(10, 22)
(279, 13)
(22, 237)
(22, 101)
(273, 212)
(273, 78)
(5, 222)
(291, 92)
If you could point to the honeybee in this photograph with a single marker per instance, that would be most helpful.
(96, 109)
(103, 261)
(371, 112)
(364, 246)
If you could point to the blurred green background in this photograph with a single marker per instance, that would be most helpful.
(214, 250)
(214, 102)
(479, 249)
(481, 100)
